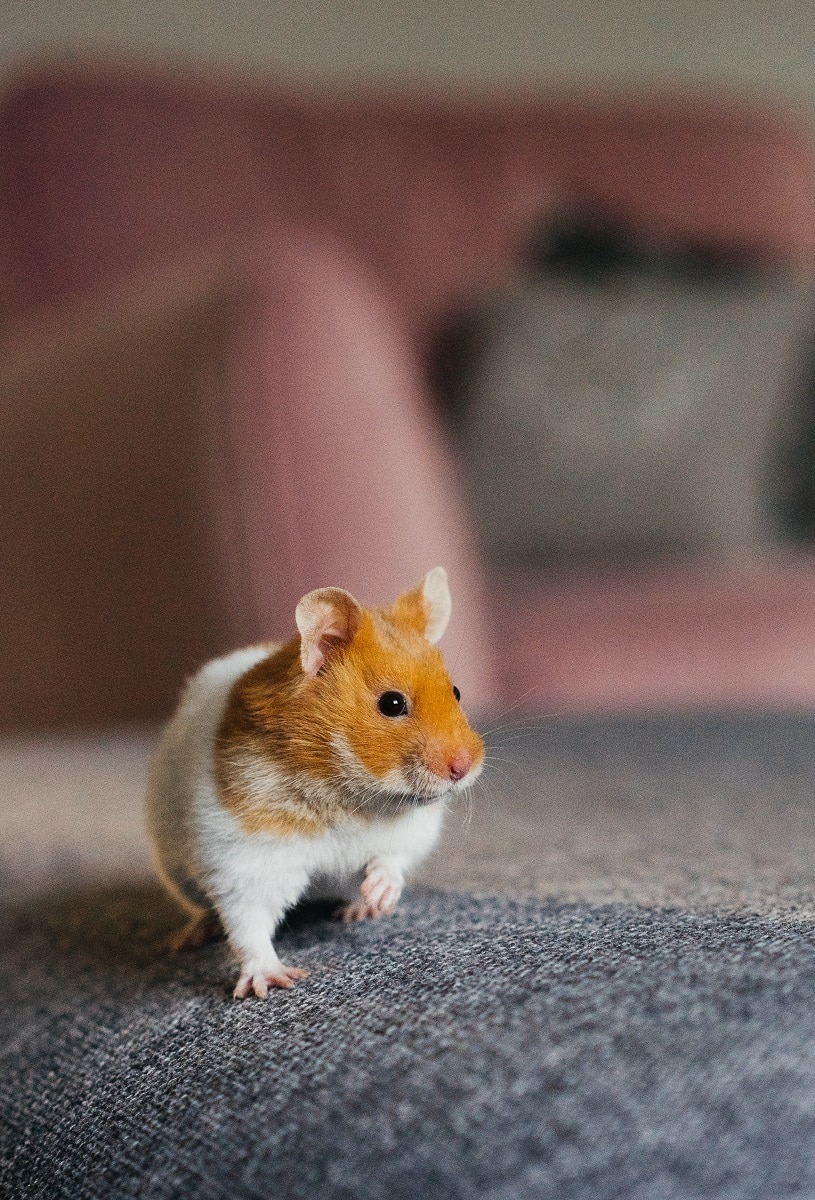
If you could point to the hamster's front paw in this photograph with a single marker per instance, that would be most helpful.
(379, 891)
(259, 978)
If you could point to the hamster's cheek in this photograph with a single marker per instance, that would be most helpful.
(397, 781)
(359, 761)
(380, 746)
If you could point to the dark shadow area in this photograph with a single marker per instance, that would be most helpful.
(114, 931)
(106, 926)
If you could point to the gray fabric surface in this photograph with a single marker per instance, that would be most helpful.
(467, 1047)
(713, 813)
(643, 1027)
(709, 812)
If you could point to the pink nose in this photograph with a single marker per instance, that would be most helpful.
(460, 763)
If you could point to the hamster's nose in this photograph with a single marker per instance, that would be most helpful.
(460, 762)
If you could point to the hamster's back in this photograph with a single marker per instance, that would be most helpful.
(182, 770)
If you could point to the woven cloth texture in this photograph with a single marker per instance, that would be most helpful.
(467, 1047)
(642, 1027)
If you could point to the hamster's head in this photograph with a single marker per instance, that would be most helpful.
(379, 694)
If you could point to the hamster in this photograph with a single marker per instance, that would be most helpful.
(317, 769)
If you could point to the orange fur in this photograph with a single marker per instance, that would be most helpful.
(280, 717)
(388, 653)
(409, 611)
(254, 732)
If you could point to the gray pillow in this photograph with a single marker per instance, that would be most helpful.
(637, 416)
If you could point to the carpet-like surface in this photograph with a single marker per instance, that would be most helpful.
(641, 1025)
(465, 1048)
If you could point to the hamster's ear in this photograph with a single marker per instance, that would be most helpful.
(427, 608)
(327, 618)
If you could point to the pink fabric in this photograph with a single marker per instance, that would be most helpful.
(344, 478)
(92, 161)
(668, 639)
(357, 223)
(713, 170)
(110, 173)
(103, 180)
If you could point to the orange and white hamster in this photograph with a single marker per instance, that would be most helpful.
(315, 769)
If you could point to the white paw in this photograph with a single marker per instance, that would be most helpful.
(379, 892)
(259, 980)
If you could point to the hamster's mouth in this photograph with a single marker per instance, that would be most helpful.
(432, 790)
(419, 793)
(401, 801)
(428, 787)
(420, 799)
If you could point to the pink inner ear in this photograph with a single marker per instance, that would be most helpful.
(437, 603)
(314, 649)
(325, 619)
(311, 657)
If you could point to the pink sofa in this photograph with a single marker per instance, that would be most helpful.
(215, 306)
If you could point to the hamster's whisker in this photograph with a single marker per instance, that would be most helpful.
(487, 798)
(490, 759)
(501, 776)
(515, 729)
(496, 768)
(535, 687)
(507, 767)
(512, 731)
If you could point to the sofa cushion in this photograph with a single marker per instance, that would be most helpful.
(635, 410)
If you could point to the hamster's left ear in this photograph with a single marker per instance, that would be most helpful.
(327, 619)
(427, 608)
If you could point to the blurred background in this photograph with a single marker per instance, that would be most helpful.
(742, 43)
(296, 295)
(329, 293)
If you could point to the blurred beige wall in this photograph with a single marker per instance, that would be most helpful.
(754, 43)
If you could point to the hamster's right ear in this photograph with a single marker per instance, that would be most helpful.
(427, 608)
(326, 618)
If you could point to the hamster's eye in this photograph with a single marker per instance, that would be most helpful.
(392, 704)
(456, 692)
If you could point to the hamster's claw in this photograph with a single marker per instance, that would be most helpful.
(360, 910)
(259, 982)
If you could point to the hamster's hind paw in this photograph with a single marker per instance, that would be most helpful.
(360, 910)
(259, 982)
